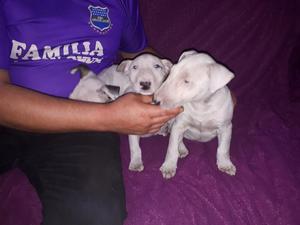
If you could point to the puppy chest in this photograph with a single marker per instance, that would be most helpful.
(201, 131)
(205, 125)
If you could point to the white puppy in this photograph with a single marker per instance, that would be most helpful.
(146, 73)
(198, 83)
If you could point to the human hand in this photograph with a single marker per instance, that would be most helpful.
(134, 114)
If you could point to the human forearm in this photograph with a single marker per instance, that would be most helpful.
(27, 110)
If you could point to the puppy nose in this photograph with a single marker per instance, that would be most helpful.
(145, 85)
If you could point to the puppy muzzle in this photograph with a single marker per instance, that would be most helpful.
(145, 85)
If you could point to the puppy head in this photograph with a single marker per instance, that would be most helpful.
(194, 78)
(146, 72)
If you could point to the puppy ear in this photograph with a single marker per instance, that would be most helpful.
(187, 53)
(123, 66)
(167, 65)
(219, 76)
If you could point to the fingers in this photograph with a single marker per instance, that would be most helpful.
(159, 112)
(155, 128)
(144, 117)
(158, 123)
(161, 119)
(153, 131)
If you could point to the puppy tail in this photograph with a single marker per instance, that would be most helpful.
(83, 70)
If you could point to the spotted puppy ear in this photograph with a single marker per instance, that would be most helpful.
(124, 66)
(112, 91)
(83, 70)
(219, 76)
(187, 53)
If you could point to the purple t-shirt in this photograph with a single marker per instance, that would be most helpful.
(40, 41)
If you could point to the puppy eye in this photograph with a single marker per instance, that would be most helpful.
(134, 67)
(156, 66)
(186, 81)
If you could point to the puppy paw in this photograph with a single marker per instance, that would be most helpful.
(227, 167)
(136, 165)
(168, 170)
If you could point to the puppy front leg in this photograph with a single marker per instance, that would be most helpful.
(136, 163)
(168, 168)
(223, 156)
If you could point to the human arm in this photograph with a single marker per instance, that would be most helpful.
(28, 110)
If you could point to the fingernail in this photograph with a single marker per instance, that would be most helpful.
(181, 109)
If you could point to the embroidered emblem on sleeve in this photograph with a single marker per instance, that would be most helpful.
(99, 19)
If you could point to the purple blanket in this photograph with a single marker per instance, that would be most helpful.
(255, 40)
(260, 42)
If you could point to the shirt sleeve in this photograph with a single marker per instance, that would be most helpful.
(133, 36)
(4, 42)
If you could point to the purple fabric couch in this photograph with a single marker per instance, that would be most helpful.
(260, 42)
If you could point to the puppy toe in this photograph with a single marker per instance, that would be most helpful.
(228, 168)
(136, 166)
(168, 171)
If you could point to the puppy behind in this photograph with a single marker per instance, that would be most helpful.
(91, 88)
